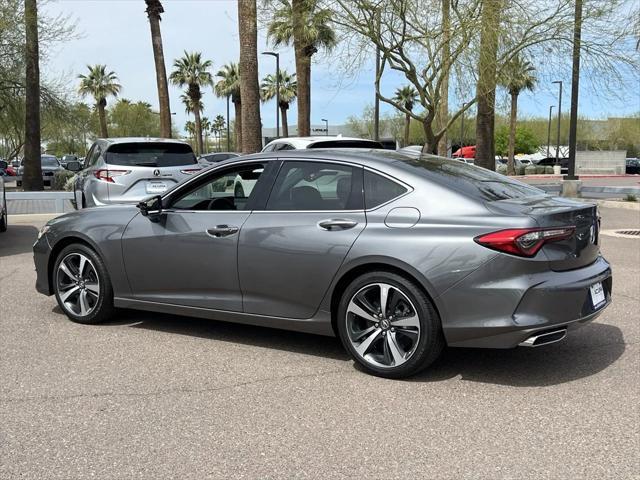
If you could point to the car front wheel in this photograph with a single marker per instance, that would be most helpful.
(389, 325)
(82, 285)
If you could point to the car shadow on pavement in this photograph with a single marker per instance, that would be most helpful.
(585, 352)
(17, 239)
(295, 342)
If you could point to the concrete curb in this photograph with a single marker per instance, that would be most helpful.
(615, 204)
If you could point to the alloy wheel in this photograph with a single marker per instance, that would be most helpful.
(383, 325)
(77, 284)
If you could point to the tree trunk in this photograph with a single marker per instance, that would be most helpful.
(512, 134)
(303, 68)
(249, 85)
(431, 141)
(486, 87)
(161, 73)
(196, 114)
(237, 125)
(32, 175)
(407, 124)
(285, 122)
(102, 116)
(443, 111)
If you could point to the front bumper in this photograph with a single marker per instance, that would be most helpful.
(41, 256)
(510, 310)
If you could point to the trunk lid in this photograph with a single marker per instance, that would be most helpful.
(577, 251)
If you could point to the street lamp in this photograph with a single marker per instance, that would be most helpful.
(326, 124)
(277, 55)
(559, 82)
(549, 129)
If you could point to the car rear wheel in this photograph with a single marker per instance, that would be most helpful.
(82, 285)
(389, 325)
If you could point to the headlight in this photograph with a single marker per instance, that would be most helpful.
(43, 231)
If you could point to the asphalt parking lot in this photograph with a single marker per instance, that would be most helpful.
(159, 396)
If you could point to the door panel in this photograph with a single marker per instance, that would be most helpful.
(286, 261)
(177, 261)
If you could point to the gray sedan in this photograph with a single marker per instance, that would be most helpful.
(397, 255)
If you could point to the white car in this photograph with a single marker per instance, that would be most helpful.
(324, 141)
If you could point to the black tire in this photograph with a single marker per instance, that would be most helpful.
(3, 218)
(103, 309)
(18, 183)
(430, 342)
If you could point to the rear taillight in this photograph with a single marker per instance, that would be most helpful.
(524, 242)
(107, 175)
(190, 171)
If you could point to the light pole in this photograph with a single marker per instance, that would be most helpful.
(462, 127)
(228, 135)
(326, 123)
(575, 77)
(549, 129)
(559, 82)
(277, 55)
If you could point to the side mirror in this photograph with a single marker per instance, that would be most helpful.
(73, 166)
(151, 208)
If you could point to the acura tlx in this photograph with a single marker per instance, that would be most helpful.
(396, 254)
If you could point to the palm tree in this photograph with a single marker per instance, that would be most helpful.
(306, 25)
(229, 86)
(190, 128)
(100, 84)
(218, 127)
(249, 87)
(32, 168)
(288, 91)
(192, 71)
(407, 96)
(154, 10)
(518, 75)
(206, 128)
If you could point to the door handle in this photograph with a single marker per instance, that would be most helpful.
(337, 224)
(221, 231)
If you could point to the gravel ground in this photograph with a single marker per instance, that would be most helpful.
(158, 396)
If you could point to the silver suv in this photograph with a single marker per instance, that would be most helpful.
(126, 170)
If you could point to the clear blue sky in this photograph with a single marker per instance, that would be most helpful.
(116, 33)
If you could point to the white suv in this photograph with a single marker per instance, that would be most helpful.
(300, 143)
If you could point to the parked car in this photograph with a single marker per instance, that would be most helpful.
(68, 158)
(397, 255)
(216, 157)
(465, 152)
(50, 165)
(3, 204)
(300, 143)
(551, 161)
(125, 170)
(632, 166)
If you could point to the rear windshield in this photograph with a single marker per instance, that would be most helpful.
(345, 144)
(150, 154)
(473, 181)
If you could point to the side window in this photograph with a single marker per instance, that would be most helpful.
(93, 156)
(379, 190)
(316, 186)
(285, 146)
(229, 189)
(270, 148)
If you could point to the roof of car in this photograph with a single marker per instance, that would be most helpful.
(118, 140)
(303, 142)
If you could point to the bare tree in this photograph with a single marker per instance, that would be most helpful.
(32, 179)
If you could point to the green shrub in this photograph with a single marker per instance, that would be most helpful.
(60, 180)
(548, 170)
(502, 169)
(530, 170)
(540, 169)
(630, 197)
(520, 170)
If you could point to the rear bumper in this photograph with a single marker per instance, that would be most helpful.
(549, 300)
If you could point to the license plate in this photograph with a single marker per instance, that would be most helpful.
(156, 187)
(597, 295)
